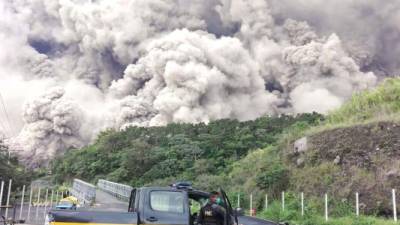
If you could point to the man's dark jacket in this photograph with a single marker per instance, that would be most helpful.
(211, 214)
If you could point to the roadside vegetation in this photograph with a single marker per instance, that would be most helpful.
(9, 167)
(341, 213)
(380, 103)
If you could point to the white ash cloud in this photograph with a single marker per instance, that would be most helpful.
(152, 62)
(193, 77)
(52, 125)
(326, 64)
(369, 28)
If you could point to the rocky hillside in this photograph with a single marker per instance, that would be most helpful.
(342, 161)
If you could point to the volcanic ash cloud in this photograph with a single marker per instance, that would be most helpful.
(192, 77)
(52, 125)
(151, 62)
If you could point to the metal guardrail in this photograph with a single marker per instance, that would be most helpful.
(85, 192)
(121, 191)
(12, 220)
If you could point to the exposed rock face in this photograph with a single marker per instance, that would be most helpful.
(300, 145)
(363, 158)
(337, 160)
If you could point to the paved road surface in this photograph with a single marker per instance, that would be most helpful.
(105, 201)
(37, 214)
(247, 220)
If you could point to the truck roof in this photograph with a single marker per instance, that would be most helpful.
(193, 193)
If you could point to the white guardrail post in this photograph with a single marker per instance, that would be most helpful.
(357, 205)
(266, 202)
(394, 205)
(1, 193)
(238, 200)
(8, 198)
(22, 202)
(326, 208)
(121, 191)
(251, 205)
(302, 203)
(30, 204)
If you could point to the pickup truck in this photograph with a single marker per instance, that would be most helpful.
(149, 206)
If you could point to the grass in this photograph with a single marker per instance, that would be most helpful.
(380, 102)
(315, 217)
(340, 213)
(350, 220)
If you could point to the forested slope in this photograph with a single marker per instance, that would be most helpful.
(202, 153)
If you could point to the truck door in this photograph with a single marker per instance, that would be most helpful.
(133, 201)
(72, 217)
(166, 207)
(230, 217)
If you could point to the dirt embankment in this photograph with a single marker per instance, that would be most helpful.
(342, 161)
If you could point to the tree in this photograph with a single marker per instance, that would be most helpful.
(138, 159)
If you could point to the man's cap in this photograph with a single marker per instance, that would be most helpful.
(214, 193)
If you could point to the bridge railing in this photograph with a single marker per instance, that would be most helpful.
(121, 191)
(85, 192)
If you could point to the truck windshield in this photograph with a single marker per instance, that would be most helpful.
(167, 201)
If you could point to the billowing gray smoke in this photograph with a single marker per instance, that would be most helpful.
(152, 62)
(52, 124)
(192, 77)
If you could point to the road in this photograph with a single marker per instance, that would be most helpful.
(36, 215)
(105, 201)
(247, 220)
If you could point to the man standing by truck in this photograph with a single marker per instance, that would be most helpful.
(212, 213)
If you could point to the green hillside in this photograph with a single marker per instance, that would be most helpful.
(355, 149)
(204, 154)
(381, 103)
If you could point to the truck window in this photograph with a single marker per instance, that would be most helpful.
(167, 201)
(196, 204)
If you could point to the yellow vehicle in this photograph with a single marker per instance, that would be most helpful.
(69, 202)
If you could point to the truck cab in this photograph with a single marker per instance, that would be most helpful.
(175, 205)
